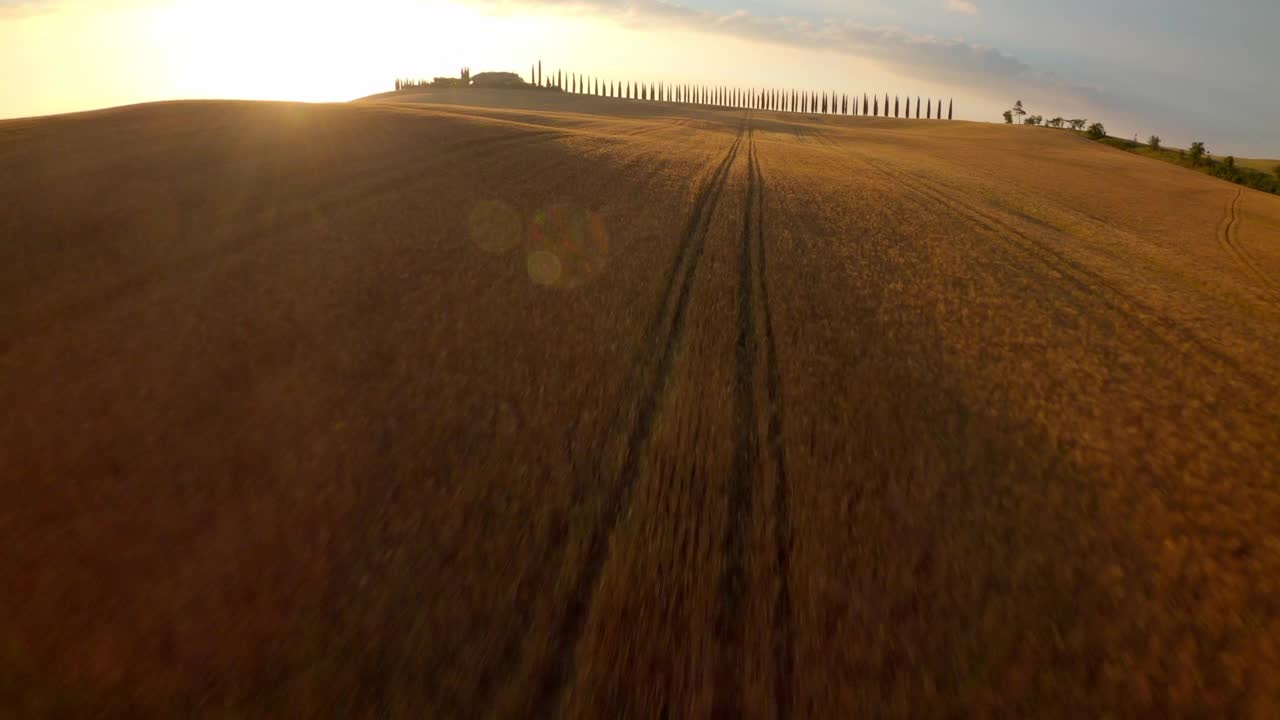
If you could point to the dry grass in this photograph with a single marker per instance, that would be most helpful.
(1262, 165)
(594, 407)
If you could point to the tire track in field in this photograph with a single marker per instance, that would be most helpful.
(655, 366)
(1087, 281)
(783, 636)
(1228, 235)
(755, 336)
(746, 454)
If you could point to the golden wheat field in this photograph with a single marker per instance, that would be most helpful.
(509, 404)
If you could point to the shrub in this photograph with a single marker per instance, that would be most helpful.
(1097, 131)
(1154, 142)
(1197, 152)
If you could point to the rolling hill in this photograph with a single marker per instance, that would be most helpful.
(518, 404)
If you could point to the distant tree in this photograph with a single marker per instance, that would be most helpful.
(951, 104)
(1197, 152)
(875, 107)
(886, 104)
(1231, 161)
(1008, 117)
(1033, 120)
(1077, 124)
(1154, 142)
(895, 106)
(1055, 123)
(928, 110)
(917, 107)
(539, 72)
(1097, 131)
(1017, 111)
(533, 75)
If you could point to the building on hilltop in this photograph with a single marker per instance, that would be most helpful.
(503, 80)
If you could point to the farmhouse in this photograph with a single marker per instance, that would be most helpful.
(506, 80)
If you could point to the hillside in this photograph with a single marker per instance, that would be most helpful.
(516, 404)
(1261, 165)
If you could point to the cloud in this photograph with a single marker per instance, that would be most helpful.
(962, 6)
(927, 56)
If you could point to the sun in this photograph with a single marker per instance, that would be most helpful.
(309, 51)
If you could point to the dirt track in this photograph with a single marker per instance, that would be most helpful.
(594, 407)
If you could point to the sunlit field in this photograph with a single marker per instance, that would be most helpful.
(525, 404)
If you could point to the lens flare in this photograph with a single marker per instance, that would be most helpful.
(544, 267)
(577, 238)
(495, 226)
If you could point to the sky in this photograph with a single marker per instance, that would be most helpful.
(1181, 69)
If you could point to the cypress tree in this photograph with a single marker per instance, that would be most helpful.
(875, 110)
(533, 76)
(950, 106)
(917, 107)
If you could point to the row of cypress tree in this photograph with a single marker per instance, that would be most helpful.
(801, 101)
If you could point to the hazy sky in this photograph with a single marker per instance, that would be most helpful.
(1183, 69)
